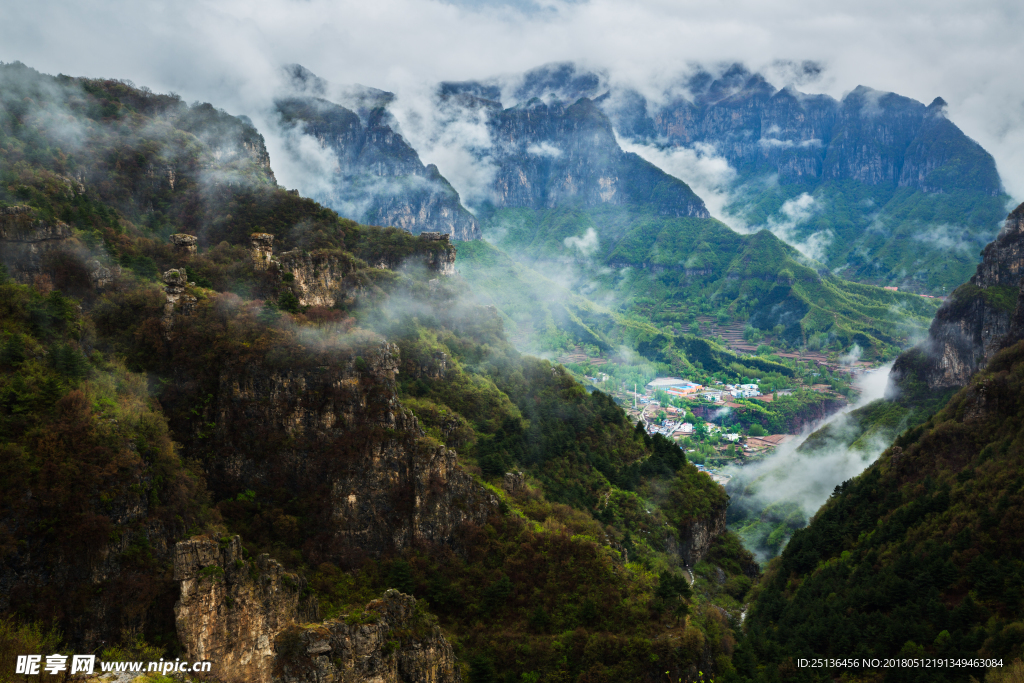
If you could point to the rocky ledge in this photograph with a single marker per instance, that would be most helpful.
(250, 619)
(979, 318)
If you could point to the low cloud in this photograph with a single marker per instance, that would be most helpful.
(544, 149)
(586, 245)
(952, 238)
(808, 476)
(786, 144)
(708, 174)
(852, 356)
(229, 52)
(795, 213)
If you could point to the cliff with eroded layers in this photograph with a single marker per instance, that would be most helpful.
(980, 317)
(337, 436)
(379, 178)
(253, 620)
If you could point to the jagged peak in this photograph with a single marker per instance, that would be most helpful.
(565, 80)
(302, 79)
(874, 101)
(359, 98)
(937, 107)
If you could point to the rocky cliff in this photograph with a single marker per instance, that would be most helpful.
(379, 178)
(858, 182)
(400, 644)
(320, 277)
(696, 536)
(36, 251)
(231, 608)
(316, 277)
(565, 154)
(981, 317)
(550, 152)
(337, 435)
(880, 185)
(250, 619)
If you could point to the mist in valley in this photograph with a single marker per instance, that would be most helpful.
(783, 492)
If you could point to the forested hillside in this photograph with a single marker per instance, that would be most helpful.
(917, 557)
(213, 387)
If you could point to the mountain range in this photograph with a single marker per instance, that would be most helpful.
(877, 187)
(238, 426)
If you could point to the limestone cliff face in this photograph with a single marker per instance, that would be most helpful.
(231, 608)
(566, 154)
(878, 138)
(30, 248)
(440, 256)
(401, 645)
(26, 240)
(979, 318)
(318, 278)
(379, 178)
(338, 435)
(175, 282)
(697, 535)
(250, 620)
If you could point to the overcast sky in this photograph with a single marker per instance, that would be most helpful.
(227, 52)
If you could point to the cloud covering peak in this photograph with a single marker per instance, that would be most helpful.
(231, 52)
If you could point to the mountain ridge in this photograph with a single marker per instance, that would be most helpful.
(878, 186)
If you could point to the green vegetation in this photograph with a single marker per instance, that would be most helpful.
(916, 556)
(84, 436)
(25, 638)
(922, 241)
(111, 422)
(661, 273)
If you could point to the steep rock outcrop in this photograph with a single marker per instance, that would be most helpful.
(403, 644)
(440, 258)
(26, 240)
(185, 245)
(175, 281)
(696, 536)
(231, 608)
(31, 250)
(250, 619)
(379, 178)
(980, 318)
(317, 277)
(338, 435)
(566, 154)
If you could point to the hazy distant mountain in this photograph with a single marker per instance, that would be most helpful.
(379, 178)
(562, 153)
(878, 187)
(565, 191)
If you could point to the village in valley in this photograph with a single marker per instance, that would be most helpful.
(721, 420)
